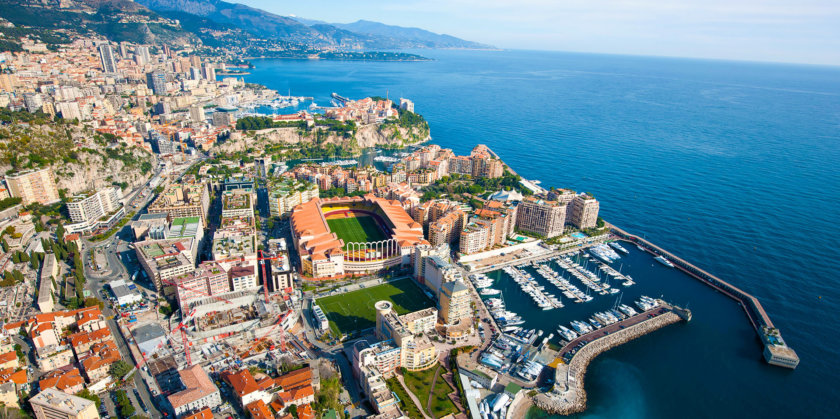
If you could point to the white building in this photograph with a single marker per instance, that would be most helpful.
(320, 319)
(87, 210)
(123, 292)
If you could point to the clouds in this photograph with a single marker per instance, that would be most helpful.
(771, 30)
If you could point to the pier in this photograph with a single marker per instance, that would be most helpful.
(568, 395)
(776, 351)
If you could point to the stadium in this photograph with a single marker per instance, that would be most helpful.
(353, 235)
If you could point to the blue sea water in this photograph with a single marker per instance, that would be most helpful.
(731, 165)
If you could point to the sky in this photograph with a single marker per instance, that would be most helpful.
(799, 31)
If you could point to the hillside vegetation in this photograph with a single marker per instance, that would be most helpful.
(81, 159)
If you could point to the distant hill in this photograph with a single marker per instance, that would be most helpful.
(359, 35)
(421, 37)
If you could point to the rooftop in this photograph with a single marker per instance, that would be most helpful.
(61, 401)
(198, 385)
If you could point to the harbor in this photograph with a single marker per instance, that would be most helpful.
(776, 352)
(555, 312)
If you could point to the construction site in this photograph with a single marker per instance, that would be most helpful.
(221, 331)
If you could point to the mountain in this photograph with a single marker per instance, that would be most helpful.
(421, 37)
(357, 35)
(117, 20)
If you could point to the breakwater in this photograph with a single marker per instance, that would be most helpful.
(568, 395)
(776, 352)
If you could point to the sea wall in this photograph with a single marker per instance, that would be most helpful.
(568, 395)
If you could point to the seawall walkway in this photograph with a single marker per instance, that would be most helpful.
(776, 352)
(568, 395)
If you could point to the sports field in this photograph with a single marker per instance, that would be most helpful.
(354, 310)
(356, 229)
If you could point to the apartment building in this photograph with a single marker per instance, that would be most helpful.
(285, 194)
(237, 203)
(93, 210)
(416, 352)
(208, 279)
(183, 200)
(54, 404)
(164, 260)
(539, 216)
(584, 211)
(33, 186)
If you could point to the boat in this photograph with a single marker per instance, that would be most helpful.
(638, 246)
(489, 291)
(618, 247)
(566, 333)
(664, 261)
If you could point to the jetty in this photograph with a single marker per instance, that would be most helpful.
(568, 396)
(776, 351)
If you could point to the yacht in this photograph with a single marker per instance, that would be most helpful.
(489, 291)
(618, 247)
(664, 261)
(566, 333)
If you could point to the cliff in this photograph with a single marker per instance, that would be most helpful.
(80, 158)
(366, 136)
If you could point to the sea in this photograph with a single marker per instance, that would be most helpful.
(733, 166)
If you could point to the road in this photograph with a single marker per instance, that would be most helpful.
(115, 269)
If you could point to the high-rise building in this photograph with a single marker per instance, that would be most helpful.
(454, 302)
(106, 56)
(92, 206)
(542, 217)
(143, 53)
(52, 403)
(208, 72)
(156, 80)
(585, 211)
(196, 113)
(123, 49)
(32, 101)
(34, 186)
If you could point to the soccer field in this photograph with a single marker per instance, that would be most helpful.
(354, 310)
(356, 229)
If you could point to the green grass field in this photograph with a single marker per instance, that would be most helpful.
(356, 229)
(354, 310)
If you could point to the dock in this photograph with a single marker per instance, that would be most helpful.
(776, 352)
(568, 395)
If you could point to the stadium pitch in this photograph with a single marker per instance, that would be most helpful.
(356, 229)
(353, 311)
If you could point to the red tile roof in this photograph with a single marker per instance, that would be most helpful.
(62, 380)
(259, 410)
(205, 413)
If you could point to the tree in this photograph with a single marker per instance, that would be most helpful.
(292, 410)
(59, 232)
(93, 301)
(119, 369)
(86, 394)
